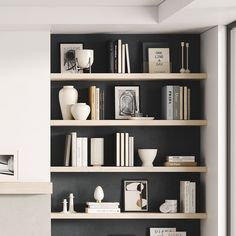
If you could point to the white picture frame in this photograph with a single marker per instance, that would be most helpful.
(126, 101)
(9, 166)
(135, 195)
(67, 57)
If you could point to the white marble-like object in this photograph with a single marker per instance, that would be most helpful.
(98, 194)
(71, 203)
(65, 206)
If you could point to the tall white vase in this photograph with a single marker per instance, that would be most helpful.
(68, 96)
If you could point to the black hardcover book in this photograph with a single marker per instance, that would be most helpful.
(101, 105)
(111, 54)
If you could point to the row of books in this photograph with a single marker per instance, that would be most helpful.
(96, 102)
(124, 149)
(76, 150)
(176, 102)
(187, 197)
(119, 57)
(160, 231)
(180, 161)
(102, 207)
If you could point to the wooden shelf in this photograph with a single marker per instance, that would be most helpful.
(25, 188)
(62, 169)
(128, 122)
(139, 215)
(127, 77)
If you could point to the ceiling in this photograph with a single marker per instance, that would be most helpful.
(116, 16)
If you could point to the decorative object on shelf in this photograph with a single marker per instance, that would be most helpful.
(182, 70)
(187, 197)
(147, 156)
(80, 111)
(180, 161)
(84, 59)
(136, 195)
(8, 166)
(68, 96)
(68, 59)
(187, 66)
(159, 231)
(126, 101)
(71, 203)
(65, 202)
(97, 151)
(98, 194)
(169, 206)
(102, 207)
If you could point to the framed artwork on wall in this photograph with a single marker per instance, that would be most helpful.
(126, 101)
(135, 195)
(68, 59)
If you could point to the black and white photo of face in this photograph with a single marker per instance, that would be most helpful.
(127, 103)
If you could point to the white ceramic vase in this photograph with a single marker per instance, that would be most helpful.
(84, 58)
(147, 156)
(68, 96)
(98, 194)
(80, 111)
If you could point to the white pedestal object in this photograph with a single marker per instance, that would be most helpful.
(187, 68)
(97, 151)
(182, 70)
(71, 203)
(65, 206)
(147, 156)
(98, 194)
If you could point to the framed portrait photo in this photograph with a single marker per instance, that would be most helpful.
(135, 195)
(126, 101)
(68, 59)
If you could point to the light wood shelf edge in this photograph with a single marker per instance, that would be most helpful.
(131, 76)
(148, 215)
(128, 122)
(62, 169)
(25, 188)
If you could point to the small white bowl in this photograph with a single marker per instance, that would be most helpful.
(147, 156)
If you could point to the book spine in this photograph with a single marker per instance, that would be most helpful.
(79, 152)
(116, 57)
(159, 231)
(131, 151)
(103, 204)
(101, 105)
(192, 197)
(127, 57)
(88, 210)
(176, 102)
(189, 105)
(122, 149)
(84, 151)
(92, 101)
(123, 59)
(187, 197)
(104, 207)
(169, 103)
(181, 95)
(180, 163)
(67, 150)
(117, 149)
(191, 158)
(126, 149)
(97, 104)
(111, 68)
(119, 55)
(73, 148)
(185, 102)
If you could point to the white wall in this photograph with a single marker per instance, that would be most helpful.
(24, 101)
(213, 137)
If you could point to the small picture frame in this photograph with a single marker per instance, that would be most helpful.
(8, 166)
(135, 195)
(68, 59)
(126, 101)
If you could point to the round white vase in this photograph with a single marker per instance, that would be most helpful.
(147, 156)
(68, 96)
(80, 111)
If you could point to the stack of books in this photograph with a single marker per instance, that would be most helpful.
(161, 231)
(124, 149)
(119, 57)
(102, 207)
(76, 150)
(96, 102)
(180, 161)
(176, 102)
(188, 197)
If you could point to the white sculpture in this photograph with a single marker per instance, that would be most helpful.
(71, 203)
(98, 194)
(65, 206)
(182, 70)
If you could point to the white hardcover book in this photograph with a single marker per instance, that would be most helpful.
(182, 233)
(117, 149)
(73, 148)
(79, 152)
(122, 149)
(104, 207)
(167, 102)
(181, 96)
(127, 57)
(97, 104)
(185, 103)
(188, 105)
(103, 204)
(89, 210)
(84, 151)
(131, 151)
(67, 150)
(192, 197)
(159, 231)
(184, 196)
(126, 149)
(123, 59)
(182, 158)
(119, 55)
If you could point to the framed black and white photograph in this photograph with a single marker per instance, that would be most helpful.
(8, 166)
(68, 59)
(135, 195)
(126, 101)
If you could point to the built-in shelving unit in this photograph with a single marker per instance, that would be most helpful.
(62, 169)
(141, 216)
(25, 188)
